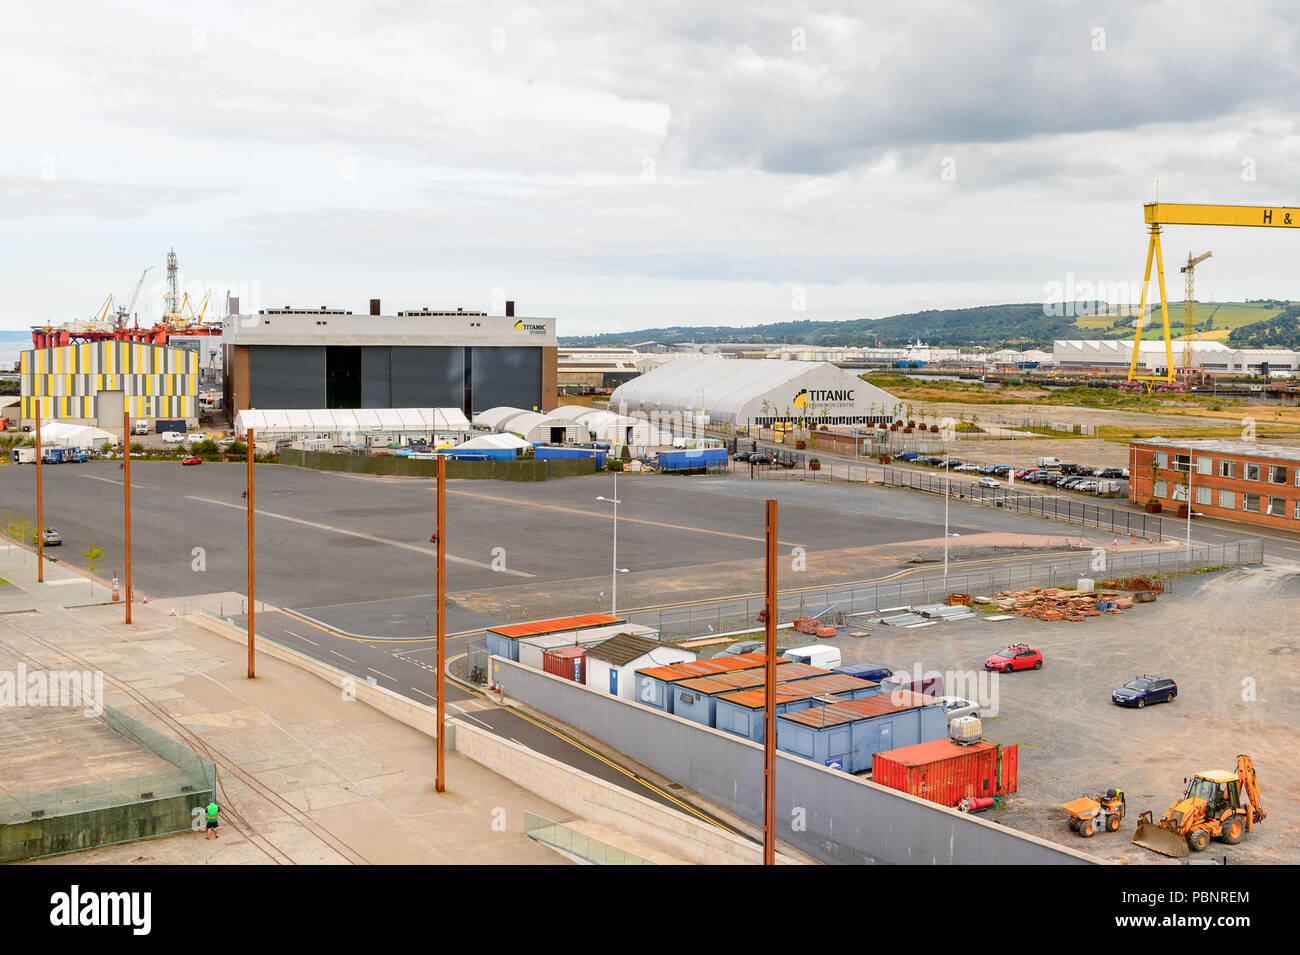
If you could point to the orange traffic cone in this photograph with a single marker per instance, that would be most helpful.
(173, 613)
(116, 594)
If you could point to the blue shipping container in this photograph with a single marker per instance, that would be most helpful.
(554, 454)
(697, 459)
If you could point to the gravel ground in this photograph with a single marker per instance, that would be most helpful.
(1222, 636)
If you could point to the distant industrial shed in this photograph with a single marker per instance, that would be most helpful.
(739, 392)
(533, 427)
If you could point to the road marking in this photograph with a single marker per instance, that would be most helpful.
(301, 637)
(422, 693)
(337, 654)
(478, 721)
(381, 673)
(134, 485)
(632, 520)
(431, 552)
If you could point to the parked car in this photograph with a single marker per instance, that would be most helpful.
(1002, 470)
(988, 469)
(759, 458)
(1142, 690)
(908, 456)
(1019, 656)
(1086, 487)
(742, 456)
(1112, 473)
(51, 538)
(828, 658)
(957, 707)
(988, 482)
(191, 460)
(967, 467)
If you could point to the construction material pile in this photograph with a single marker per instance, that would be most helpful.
(1053, 603)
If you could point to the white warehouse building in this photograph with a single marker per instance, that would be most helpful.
(755, 391)
(1213, 356)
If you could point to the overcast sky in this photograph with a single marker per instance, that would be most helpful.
(629, 165)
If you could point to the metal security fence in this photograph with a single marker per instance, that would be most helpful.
(577, 843)
(1106, 518)
(476, 660)
(840, 605)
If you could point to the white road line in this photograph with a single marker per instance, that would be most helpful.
(422, 693)
(455, 706)
(292, 634)
(431, 552)
(134, 485)
(381, 673)
(337, 654)
(476, 720)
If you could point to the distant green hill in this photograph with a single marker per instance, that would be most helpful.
(1026, 325)
(1280, 331)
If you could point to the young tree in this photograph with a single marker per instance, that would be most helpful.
(92, 558)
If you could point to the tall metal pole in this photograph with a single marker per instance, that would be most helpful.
(1011, 474)
(613, 600)
(769, 698)
(442, 618)
(40, 511)
(947, 493)
(1191, 458)
(126, 502)
(252, 577)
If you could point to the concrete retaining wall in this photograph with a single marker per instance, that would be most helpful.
(52, 835)
(830, 815)
(583, 794)
(526, 470)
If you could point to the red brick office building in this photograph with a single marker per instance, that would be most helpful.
(1237, 480)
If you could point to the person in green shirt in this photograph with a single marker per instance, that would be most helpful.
(213, 824)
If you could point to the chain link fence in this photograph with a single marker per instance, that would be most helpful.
(840, 605)
(1106, 518)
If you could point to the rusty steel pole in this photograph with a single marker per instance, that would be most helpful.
(126, 504)
(441, 534)
(40, 508)
(251, 575)
(769, 698)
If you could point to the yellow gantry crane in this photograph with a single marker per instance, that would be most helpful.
(1189, 290)
(1175, 213)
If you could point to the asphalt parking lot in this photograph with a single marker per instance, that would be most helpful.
(355, 552)
(1221, 636)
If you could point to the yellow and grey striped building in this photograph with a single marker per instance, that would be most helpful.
(153, 381)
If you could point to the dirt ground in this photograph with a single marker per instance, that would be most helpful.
(1224, 637)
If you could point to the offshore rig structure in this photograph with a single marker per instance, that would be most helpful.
(121, 323)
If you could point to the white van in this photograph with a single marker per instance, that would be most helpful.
(172, 437)
(828, 658)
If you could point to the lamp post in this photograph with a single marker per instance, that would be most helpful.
(614, 568)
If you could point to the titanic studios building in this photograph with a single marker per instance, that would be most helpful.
(300, 359)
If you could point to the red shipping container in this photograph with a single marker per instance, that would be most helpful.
(943, 772)
(568, 662)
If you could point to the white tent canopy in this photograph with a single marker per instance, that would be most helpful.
(493, 442)
(61, 434)
(351, 421)
(534, 427)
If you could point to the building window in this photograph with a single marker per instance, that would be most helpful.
(1205, 465)
(1250, 502)
(1276, 474)
(1160, 459)
(1178, 492)
(1182, 462)
(1277, 506)
(1227, 499)
(1296, 513)
(1252, 471)
(1161, 489)
(1228, 469)
(1204, 495)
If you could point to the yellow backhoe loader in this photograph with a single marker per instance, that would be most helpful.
(1217, 805)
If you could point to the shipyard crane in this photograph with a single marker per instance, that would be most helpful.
(124, 313)
(1180, 213)
(1189, 270)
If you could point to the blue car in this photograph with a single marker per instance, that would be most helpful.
(1142, 690)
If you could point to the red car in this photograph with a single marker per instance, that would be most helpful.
(191, 460)
(1019, 656)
